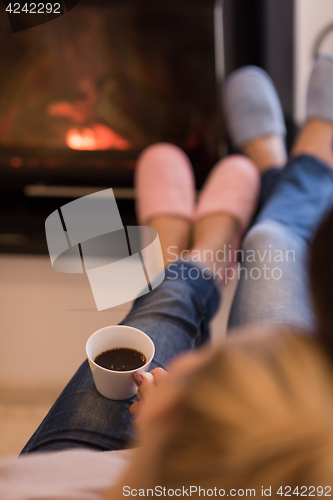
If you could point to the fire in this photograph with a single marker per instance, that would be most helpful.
(98, 137)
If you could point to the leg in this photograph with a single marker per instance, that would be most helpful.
(286, 226)
(292, 208)
(273, 288)
(175, 315)
(255, 122)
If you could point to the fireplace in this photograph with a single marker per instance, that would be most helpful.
(82, 95)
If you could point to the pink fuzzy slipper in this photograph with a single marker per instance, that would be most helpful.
(164, 183)
(232, 188)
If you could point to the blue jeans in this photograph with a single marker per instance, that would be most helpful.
(176, 315)
(293, 200)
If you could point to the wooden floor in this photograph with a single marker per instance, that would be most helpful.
(21, 411)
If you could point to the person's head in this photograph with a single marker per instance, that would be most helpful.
(241, 417)
(321, 277)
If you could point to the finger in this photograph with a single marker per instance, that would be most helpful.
(159, 375)
(143, 383)
(139, 396)
(149, 376)
(134, 408)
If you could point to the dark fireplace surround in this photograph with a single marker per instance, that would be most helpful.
(84, 94)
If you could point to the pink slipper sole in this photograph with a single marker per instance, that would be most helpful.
(232, 188)
(164, 183)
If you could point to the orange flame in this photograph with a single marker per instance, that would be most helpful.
(98, 137)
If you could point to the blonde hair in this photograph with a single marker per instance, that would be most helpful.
(259, 414)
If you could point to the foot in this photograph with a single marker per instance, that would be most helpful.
(213, 237)
(164, 182)
(225, 209)
(316, 137)
(165, 196)
(267, 152)
(254, 117)
(319, 103)
(232, 188)
(174, 234)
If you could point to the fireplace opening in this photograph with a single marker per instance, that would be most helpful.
(81, 97)
(108, 79)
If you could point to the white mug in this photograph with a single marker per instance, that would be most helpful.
(113, 384)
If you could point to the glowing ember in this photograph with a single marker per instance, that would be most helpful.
(16, 162)
(98, 137)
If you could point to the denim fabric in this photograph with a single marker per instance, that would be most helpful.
(269, 181)
(302, 195)
(176, 316)
(294, 200)
(271, 290)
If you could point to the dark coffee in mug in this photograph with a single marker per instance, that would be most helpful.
(121, 359)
